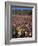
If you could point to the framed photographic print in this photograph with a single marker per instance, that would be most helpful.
(20, 22)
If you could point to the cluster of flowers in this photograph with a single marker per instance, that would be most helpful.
(22, 25)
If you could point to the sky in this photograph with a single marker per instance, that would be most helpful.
(23, 8)
(19, 8)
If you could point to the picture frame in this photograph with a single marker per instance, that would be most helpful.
(8, 33)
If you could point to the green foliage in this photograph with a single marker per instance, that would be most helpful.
(23, 12)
